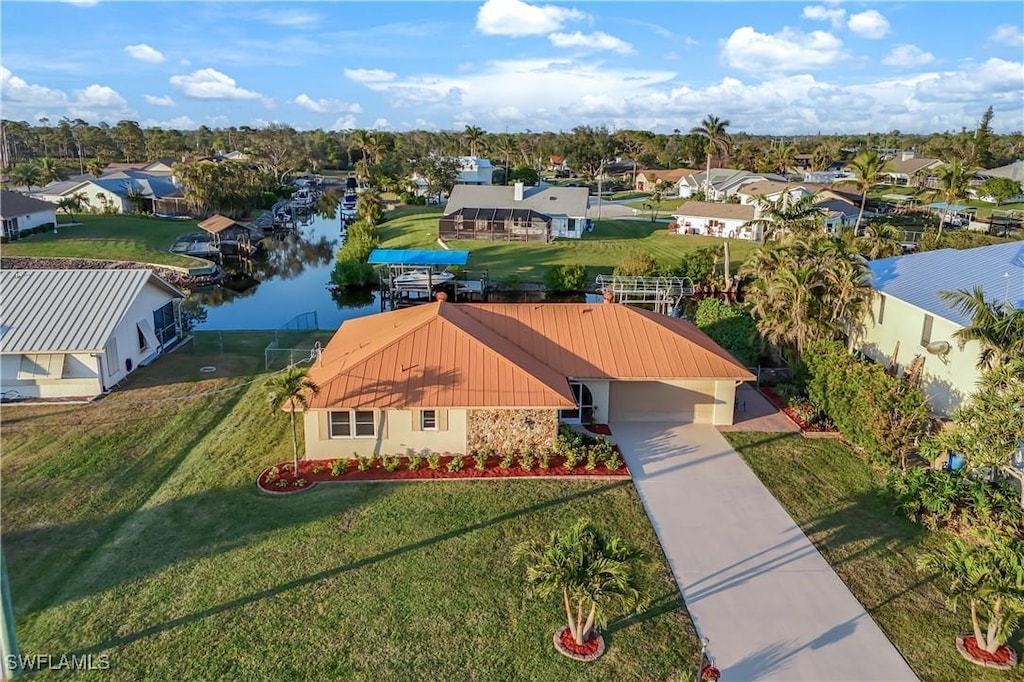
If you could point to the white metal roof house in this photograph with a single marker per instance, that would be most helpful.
(516, 213)
(722, 182)
(77, 333)
(910, 319)
(716, 219)
(21, 213)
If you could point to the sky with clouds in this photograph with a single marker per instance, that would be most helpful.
(768, 67)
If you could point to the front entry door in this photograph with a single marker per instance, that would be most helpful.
(584, 412)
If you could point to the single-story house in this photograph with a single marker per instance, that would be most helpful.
(21, 213)
(752, 191)
(110, 192)
(839, 209)
(162, 165)
(475, 377)
(647, 180)
(516, 213)
(910, 319)
(77, 333)
(724, 182)
(912, 171)
(716, 219)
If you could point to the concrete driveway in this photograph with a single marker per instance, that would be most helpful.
(771, 606)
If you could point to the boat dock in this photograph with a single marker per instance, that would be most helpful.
(410, 277)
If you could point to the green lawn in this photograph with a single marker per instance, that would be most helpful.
(599, 250)
(115, 237)
(832, 495)
(134, 530)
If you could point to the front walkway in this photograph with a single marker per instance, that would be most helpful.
(771, 606)
(755, 413)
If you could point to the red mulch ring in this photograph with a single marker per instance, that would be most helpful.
(588, 651)
(312, 471)
(1004, 658)
(599, 429)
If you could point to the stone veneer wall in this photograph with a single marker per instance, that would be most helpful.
(512, 430)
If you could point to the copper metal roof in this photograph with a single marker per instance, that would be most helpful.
(506, 355)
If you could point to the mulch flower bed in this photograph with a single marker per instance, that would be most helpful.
(590, 650)
(280, 478)
(793, 415)
(599, 429)
(1004, 658)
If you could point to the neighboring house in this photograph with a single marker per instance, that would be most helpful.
(647, 179)
(21, 213)
(475, 171)
(752, 191)
(839, 209)
(717, 220)
(515, 213)
(724, 182)
(110, 192)
(77, 333)
(910, 171)
(463, 377)
(158, 166)
(909, 318)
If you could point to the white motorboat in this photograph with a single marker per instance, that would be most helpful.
(423, 278)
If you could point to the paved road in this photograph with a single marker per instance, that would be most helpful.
(771, 606)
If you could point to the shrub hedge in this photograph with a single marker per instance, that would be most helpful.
(730, 327)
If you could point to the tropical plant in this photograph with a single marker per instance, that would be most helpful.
(997, 327)
(567, 277)
(593, 573)
(731, 327)
(473, 137)
(716, 141)
(27, 174)
(73, 203)
(1000, 189)
(49, 170)
(989, 576)
(868, 166)
(637, 264)
(788, 214)
(880, 241)
(953, 181)
(291, 389)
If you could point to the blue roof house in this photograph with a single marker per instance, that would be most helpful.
(910, 320)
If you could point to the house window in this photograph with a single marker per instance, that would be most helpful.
(428, 420)
(926, 330)
(142, 338)
(341, 424)
(881, 309)
(163, 323)
(366, 427)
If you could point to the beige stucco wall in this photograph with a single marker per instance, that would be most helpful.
(702, 402)
(599, 392)
(79, 378)
(504, 430)
(126, 334)
(397, 434)
(947, 380)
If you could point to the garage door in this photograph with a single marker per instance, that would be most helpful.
(659, 401)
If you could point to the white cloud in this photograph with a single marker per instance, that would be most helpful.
(101, 96)
(144, 53)
(176, 123)
(592, 41)
(83, 3)
(370, 75)
(869, 24)
(380, 124)
(908, 57)
(164, 101)
(17, 90)
(346, 122)
(690, 41)
(1007, 34)
(833, 15)
(517, 18)
(92, 103)
(787, 50)
(323, 106)
(210, 84)
(292, 18)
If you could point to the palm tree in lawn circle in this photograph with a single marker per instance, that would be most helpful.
(989, 575)
(717, 142)
(997, 327)
(590, 570)
(293, 389)
(868, 166)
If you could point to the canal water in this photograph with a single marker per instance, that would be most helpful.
(290, 280)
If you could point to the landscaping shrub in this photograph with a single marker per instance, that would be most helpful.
(613, 462)
(353, 273)
(566, 277)
(570, 445)
(413, 462)
(592, 453)
(544, 459)
(699, 265)
(455, 464)
(479, 461)
(637, 264)
(366, 463)
(883, 415)
(433, 460)
(338, 467)
(955, 500)
(390, 463)
(508, 460)
(526, 460)
(730, 327)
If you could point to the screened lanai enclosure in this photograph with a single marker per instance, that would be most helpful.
(496, 224)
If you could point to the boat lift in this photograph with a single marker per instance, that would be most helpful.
(411, 276)
(664, 293)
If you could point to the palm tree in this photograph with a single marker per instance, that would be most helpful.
(49, 171)
(953, 179)
(868, 166)
(27, 174)
(786, 214)
(997, 327)
(880, 241)
(73, 203)
(712, 129)
(591, 571)
(505, 145)
(292, 389)
(782, 157)
(990, 577)
(473, 136)
(368, 207)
